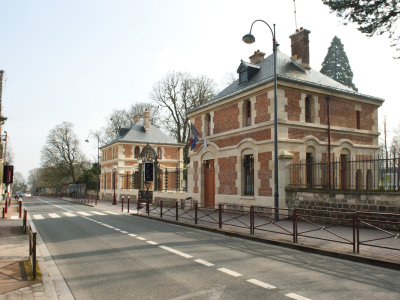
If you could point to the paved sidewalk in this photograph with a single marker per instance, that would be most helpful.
(14, 254)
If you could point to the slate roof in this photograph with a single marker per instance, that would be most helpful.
(137, 134)
(286, 70)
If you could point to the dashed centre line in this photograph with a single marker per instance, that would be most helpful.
(140, 238)
(203, 262)
(152, 243)
(297, 297)
(230, 272)
(262, 284)
(176, 251)
(132, 235)
(124, 231)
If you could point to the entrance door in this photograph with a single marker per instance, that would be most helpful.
(209, 183)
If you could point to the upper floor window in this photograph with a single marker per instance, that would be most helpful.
(113, 153)
(248, 113)
(308, 110)
(137, 152)
(208, 120)
(159, 153)
(358, 119)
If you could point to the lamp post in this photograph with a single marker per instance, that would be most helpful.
(98, 162)
(250, 39)
(115, 198)
(140, 177)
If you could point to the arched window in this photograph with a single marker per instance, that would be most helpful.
(159, 153)
(248, 168)
(137, 152)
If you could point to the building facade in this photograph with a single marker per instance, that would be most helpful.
(238, 166)
(121, 157)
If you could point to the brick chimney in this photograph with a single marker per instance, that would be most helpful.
(136, 118)
(257, 57)
(300, 48)
(146, 120)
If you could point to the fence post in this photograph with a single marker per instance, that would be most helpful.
(160, 209)
(122, 203)
(358, 233)
(220, 215)
(25, 213)
(128, 203)
(354, 233)
(252, 219)
(148, 207)
(294, 225)
(176, 210)
(195, 213)
(20, 209)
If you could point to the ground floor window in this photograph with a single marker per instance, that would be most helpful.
(248, 165)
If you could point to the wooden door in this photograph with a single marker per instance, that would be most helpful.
(209, 183)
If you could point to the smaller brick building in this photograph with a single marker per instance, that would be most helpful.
(238, 166)
(123, 153)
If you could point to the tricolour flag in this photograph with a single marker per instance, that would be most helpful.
(193, 137)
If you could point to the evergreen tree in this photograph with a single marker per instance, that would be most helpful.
(336, 64)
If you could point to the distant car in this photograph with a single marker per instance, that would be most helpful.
(19, 194)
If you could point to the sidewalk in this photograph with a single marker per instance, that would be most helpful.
(15, 272)
(340, 236)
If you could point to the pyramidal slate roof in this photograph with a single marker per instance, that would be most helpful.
(136, 133)
(286, 70)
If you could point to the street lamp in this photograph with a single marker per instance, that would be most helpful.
(115, 198)
(250, 39)
(140, 170)
(98, 162)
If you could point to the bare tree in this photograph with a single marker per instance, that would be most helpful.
(176, 93)
(125, 117)
(34, 179)
(62, 151)
(19, 183)
(229, 78)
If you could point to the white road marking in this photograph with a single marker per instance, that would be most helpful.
(68, 214)
(262, 284)
(38, 217)
(98, 213)
(152, 243)
(230, 272)
(14, 217)
(110, 212)
(297, 297)
(176, 252)
(124, 231)
(203, 262)
(140, 238)
(132, 235)
(54, 216)
(117, 229)
(83, 213)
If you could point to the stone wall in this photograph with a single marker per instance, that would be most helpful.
(346, 201)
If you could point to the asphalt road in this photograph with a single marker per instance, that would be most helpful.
(122, 256)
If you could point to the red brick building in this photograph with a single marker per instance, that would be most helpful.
(120, 160)
(239, 122)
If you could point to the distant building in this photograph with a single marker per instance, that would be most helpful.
(239, 123)
(123, 153)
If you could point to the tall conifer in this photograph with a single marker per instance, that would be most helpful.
(336, 64)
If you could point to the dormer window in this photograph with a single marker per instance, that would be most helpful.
(247, 71)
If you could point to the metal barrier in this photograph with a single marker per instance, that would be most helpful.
(32, 247)
(296, 223)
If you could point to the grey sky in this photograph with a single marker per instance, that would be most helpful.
(78, 60)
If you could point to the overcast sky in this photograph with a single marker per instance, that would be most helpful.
(78, 60)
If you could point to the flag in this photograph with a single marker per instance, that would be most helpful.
(193, 137)
(205, 142)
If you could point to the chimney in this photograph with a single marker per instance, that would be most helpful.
(146, 120)
(300, 48)
(257, 57)
(136, 118)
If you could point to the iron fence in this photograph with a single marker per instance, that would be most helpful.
(364, 173)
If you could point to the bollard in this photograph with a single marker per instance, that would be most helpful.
(122, 203)
(128, 204)
(6, 205)
(148, 207)
(25, 215)
(195, 213)
(176, 210)
(20, 209)
(4, 215)
(220, 215)
(160, 209)
(252, 219)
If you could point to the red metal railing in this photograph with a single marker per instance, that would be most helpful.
(296, 223)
